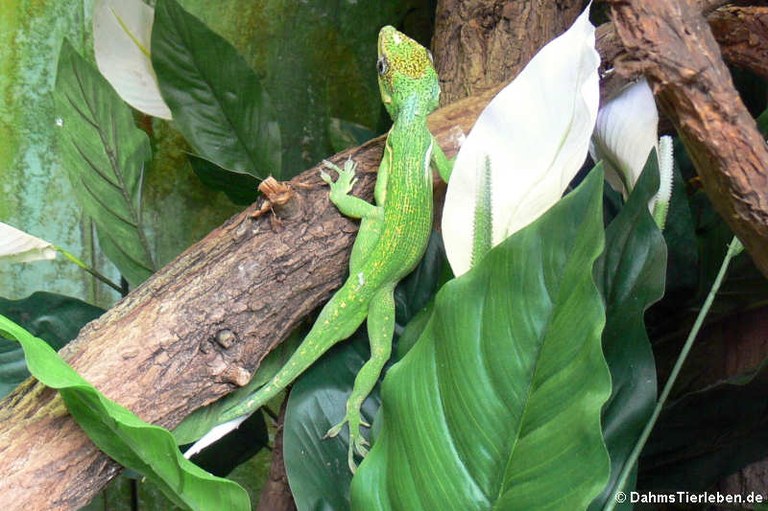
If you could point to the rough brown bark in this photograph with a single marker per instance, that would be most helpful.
(671, 43)
(195, 330)
(741, 32)
(479, 44)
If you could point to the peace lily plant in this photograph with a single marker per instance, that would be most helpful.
(532, 139)
(625, 134)
(525, 148)
(527, 381)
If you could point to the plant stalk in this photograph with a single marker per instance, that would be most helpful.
(733, 250)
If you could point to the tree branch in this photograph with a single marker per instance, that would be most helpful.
(478, 45)
(671, 43)
(741, 32)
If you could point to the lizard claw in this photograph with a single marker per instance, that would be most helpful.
(346, 180)
(334, 431)
(357, 442)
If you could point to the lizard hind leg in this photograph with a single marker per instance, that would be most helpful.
(381, 326)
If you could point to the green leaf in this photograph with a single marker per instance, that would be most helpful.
(147, 449)
(242, 189)
(104, 154)
(316, 466)
(347, 134)
(762, 123)
(55, 318)
(680, 238)
(630, 275)
(498, 404)
(708, 434)
(13, 369)
(216, 99)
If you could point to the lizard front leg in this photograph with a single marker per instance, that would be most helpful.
(381, 327)
(441, 162)
(355, 207)
(349, 205)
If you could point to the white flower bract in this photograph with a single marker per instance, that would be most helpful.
(19, 247)
(536, 133)
(122, 32)
(625, 133)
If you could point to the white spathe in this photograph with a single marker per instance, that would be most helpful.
(625, 133)
(19, 247)
(214, 435)
(536, 133)
(122, 33)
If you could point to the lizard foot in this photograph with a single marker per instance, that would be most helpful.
(357, 442)
(346, 179)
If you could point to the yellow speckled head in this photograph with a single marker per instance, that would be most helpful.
(407, 75)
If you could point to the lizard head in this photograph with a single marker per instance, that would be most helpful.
(407, 75)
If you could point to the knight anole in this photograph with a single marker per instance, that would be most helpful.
(392, 238)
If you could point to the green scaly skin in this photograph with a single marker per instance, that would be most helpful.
(393, 233)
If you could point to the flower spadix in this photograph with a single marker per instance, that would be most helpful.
(525, 147)
(625, 133)
(122, 31)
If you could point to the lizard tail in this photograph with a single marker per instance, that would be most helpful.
(338, 320)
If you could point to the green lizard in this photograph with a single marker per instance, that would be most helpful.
(392, 237)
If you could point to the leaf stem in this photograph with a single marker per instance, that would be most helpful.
(733, 250)
(71, 257)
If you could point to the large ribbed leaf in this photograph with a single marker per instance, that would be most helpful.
(104, 154)
(147, 449)
(242, 189)
(217, 100)
(631, 275)
(497, 406)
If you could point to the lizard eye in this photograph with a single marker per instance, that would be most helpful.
(431, 58)
(382, 65)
